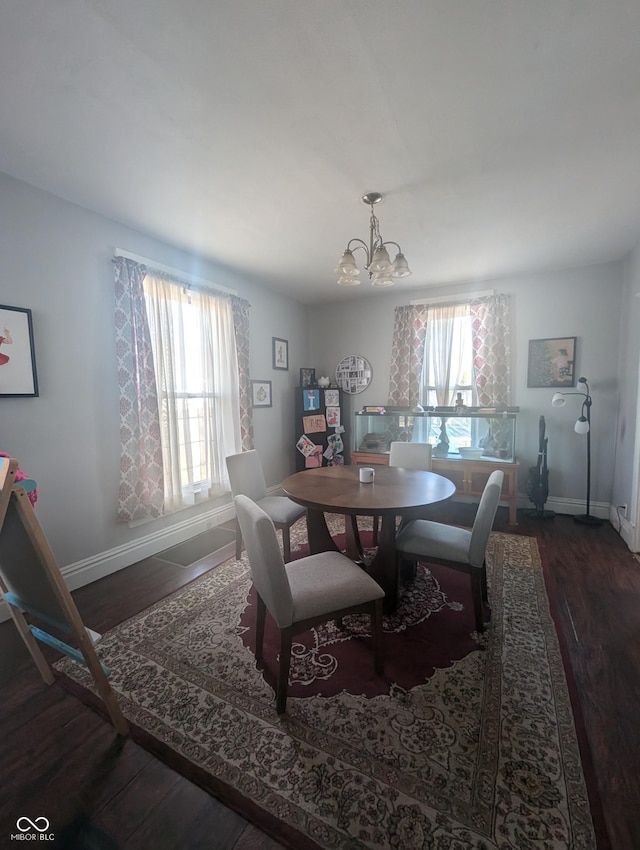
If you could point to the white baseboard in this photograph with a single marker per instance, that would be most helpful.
(103, 564)
(572, 507)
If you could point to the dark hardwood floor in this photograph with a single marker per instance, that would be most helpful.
(61, 761)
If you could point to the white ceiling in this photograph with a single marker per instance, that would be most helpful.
(504, 133)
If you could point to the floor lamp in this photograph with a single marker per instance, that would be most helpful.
(582, 426)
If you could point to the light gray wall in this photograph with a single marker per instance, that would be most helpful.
(584, 302)
(56, 260)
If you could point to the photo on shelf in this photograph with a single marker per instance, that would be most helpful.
(314, 459)
(305, 446)
(333, 416)
(334, 441)
(314, 424)
(307, 377)
(311, 400)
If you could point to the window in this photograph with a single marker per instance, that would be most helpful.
(195, 361)
(448, 368)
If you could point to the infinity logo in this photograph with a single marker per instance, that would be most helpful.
(39, 824)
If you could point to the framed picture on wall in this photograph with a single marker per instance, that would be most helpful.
(261, 394)
(552, 362)
(17, 353)
(280, 353)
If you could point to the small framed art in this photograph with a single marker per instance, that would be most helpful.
(17, 353)
(552, 362)
(280, 353)
(307, 377)
(261, 394)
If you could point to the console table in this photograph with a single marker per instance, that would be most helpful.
(469, 476)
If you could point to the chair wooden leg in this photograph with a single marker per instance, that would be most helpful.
(238, 544)
(407, 570)
(375, 530)
(283, 670)
(376, 636)
(261, 611)
(485, 594)
(286, 545)
(476, 592)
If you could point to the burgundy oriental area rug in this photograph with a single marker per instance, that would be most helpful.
(468, 741)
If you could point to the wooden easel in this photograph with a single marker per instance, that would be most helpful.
(31, 581)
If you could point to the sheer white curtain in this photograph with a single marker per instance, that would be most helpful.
(448, 350)
(195, 358)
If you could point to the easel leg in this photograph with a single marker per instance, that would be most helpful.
(31, 644)
(102, 684)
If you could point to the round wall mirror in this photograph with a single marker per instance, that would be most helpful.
(353, 373)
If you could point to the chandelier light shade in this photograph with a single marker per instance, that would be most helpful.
(582, 426)
(382, 270)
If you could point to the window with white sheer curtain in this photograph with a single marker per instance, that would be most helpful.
(195, 360)
(448, 360)
(448, 364)
(424, 371)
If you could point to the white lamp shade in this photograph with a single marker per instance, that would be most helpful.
(380, 262)
(348, 280)
(558, 400)
(347, 265)
(401, 266)
(581, 426)
(382, 279)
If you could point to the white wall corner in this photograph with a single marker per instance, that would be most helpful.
(625, 529)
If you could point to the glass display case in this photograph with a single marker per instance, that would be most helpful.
(479, 434)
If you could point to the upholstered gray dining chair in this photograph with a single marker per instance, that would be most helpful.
(247, 478)
(408, 456)
(303, 593)
(459, 548)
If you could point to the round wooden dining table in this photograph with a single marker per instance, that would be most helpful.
(395, 491)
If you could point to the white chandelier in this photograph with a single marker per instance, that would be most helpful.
(382, 272)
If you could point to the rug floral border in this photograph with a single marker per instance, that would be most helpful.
(483, 755)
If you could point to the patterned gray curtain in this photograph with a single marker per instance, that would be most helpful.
(407, 355)
(491, 335)
(241, 323)
(141, 492)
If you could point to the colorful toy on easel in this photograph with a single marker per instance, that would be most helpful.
(27, 484)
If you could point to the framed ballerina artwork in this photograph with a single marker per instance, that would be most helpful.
(17, 353)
